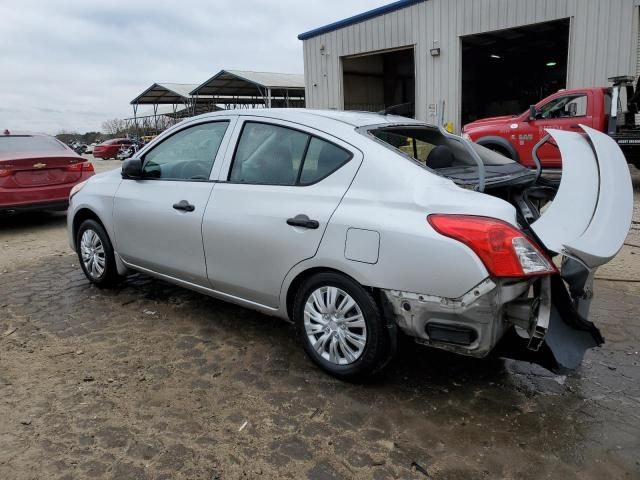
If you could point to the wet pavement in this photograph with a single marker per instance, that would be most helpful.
(151, 381)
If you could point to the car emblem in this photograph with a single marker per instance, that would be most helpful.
(39, 165)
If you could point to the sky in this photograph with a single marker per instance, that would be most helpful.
(71, 64)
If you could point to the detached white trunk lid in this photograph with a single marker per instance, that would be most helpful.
(590, 216)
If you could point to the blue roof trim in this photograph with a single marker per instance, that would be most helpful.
(376, 12)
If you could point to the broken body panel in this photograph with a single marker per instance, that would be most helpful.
(543, 320)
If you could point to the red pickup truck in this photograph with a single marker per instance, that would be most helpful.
(515, 136)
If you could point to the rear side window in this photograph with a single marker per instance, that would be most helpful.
(29, 144)
(322, 159)
(186, 155)
(273, 155)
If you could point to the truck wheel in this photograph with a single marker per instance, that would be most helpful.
(498, 149)
(341, 327)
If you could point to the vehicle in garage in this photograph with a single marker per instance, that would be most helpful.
(37, 172)
(356, 226)
(516, 136)
(111, 148)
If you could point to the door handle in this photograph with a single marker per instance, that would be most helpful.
(184, 206)
(303, 221)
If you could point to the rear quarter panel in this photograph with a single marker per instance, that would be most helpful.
(392, 196)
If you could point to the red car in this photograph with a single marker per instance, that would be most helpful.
(37, 172)
(110, 148)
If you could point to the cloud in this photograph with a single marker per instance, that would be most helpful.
(73, 64)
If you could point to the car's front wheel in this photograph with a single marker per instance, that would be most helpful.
(95, 253)
(341, 326)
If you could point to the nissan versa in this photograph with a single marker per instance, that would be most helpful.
(359, 226)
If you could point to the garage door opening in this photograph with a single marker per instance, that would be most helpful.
(503, 72)
(378, 81)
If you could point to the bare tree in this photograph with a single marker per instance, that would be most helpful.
(115, 126)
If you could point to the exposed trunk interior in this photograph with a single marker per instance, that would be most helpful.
(505, 71)
(378, 81)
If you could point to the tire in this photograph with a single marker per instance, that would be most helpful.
(345, 357)
(99, 264)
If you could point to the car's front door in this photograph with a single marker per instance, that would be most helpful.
(158, 219)
(562, 112)
(270, 212)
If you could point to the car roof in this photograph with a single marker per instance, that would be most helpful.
(310, 116)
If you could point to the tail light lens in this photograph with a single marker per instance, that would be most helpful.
(4, 172)
(504, 250)
(80, 167)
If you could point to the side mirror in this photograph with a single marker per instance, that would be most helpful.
(532, 112)
(132, 169)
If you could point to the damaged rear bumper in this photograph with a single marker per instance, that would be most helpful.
(542, 321)
(470, 325)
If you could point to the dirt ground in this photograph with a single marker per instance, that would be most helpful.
(151, 381)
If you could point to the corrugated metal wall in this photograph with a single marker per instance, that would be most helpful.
(603, 42)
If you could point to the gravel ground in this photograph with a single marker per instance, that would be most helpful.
(151, 381)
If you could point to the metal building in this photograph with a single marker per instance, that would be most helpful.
(482, 57)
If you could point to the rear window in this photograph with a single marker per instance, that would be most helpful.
(428, 147)
(29, 144)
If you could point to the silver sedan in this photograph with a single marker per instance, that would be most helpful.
(360, 227)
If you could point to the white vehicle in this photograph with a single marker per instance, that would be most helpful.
(357, 226)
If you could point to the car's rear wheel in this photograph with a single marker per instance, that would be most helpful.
(95, 253)
(341, 326)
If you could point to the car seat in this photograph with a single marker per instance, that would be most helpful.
(278, 167)
(440, 156)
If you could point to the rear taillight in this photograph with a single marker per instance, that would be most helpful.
(4, 172)
(504, 250)
(80, 167)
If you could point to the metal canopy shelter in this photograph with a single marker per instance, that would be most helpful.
(237, 87)
(165, 93)
(175, 94)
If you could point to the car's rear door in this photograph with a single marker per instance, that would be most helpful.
(157, 220)
(270, 210)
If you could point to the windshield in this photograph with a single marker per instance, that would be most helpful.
(427, 146)
(29, 144)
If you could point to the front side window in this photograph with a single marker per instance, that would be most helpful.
(562, 107)
(186, 155)
(274, 155)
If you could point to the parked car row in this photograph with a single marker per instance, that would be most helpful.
(116, 148)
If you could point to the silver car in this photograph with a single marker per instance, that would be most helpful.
(358, 227)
